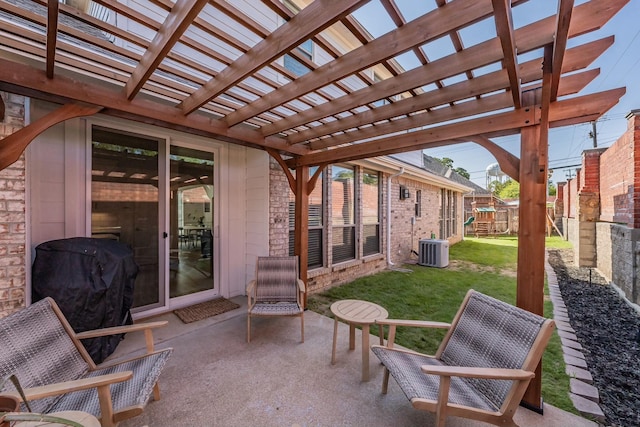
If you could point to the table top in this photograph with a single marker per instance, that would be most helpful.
(358, 311)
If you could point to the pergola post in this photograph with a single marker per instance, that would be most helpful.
(301, 233)
(531, 255)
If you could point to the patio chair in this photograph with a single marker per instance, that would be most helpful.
(40, 348)
(276, 291)
(482, 367)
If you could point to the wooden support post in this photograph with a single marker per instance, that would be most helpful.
(532, 223)
(301, 238)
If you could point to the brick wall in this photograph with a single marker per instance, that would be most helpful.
(404, 234)
(616, 181)
(590, 171)
(572, 196)
(12, 215)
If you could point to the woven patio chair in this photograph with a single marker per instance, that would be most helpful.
(276, 291)
(482, 367)
(38, 345)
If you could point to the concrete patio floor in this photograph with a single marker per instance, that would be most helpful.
(214, 378)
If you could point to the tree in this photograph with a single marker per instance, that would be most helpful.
(448, 162)
(552, 189)
(510, 190)
(462, 172)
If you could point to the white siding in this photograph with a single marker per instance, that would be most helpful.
(257, 209)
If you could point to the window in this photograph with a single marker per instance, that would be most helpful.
(343, 211)
(346, 217)
(292, 64)
(418, 212)
(448, 209)
(316, 223)
(370, 213)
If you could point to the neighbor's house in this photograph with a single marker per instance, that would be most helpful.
(183, 201)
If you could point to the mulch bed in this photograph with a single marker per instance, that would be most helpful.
(609, 330)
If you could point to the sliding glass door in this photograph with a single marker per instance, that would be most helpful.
(191, 219)
(125, 197)
(159, 200)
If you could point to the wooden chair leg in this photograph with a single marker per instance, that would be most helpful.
(248, 328)
(156, 392)
(385, 381)
(302, 326)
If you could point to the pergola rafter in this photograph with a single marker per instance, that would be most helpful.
(214, 69)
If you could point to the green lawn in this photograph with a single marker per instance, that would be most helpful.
(486, 265)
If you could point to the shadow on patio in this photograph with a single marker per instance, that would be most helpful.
(215, 378)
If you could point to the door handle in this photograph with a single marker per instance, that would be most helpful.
(165, 235)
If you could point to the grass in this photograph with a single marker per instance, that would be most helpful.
(486, 265)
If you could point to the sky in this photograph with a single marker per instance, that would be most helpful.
(619, 67)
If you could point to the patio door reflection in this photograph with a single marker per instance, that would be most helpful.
(191, 222)
(125, 203)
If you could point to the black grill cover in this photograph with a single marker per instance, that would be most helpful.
(92, 281)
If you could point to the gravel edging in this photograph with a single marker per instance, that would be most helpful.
(605, 332)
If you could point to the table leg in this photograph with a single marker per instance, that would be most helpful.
(381, 334)
(365, 352)
(335, 335)
(352, 336)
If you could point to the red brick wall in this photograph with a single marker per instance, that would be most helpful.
(12, 215)
(590, 172)
(572, 196)
(618, 178)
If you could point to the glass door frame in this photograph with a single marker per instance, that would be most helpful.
(185, 300)
(165, 138)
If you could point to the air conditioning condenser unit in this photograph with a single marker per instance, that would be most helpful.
(433, 253)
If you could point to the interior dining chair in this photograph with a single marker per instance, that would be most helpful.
(276, 291)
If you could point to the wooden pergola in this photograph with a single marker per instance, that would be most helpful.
(201, 77)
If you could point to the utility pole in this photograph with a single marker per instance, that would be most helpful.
(593, 134)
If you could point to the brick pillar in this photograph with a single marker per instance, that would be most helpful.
(280, 196)
(633, 126)
(588, 208)
(12, 215)
(558, 207)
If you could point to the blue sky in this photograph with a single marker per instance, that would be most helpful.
(619, 67)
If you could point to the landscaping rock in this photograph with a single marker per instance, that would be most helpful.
(607, 328)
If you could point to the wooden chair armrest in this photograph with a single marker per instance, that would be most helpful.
(301, 286)
(146, 327)
(472, 372)
(394, 323)
(413, 323)
(121, 329)
(75, 385)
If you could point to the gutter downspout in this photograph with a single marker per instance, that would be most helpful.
(400, 172)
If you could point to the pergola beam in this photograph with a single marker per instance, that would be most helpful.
(504, 29)
(588, 16)
(433, 25)
(577, 58)
(52, 36)
(311, 20)
(565, 11)
(25, 80)
(181, 16)
(576, 109)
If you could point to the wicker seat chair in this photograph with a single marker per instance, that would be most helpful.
(276, 291)
(482, 367)
(39, 346)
